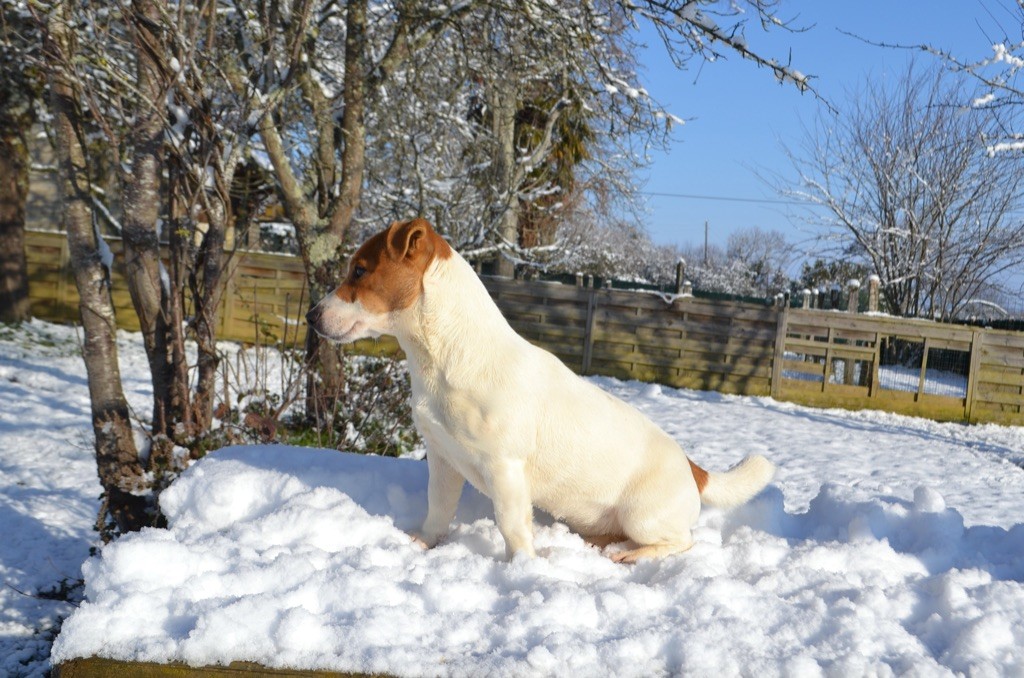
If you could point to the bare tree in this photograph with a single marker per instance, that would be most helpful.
(996, 74)
(147, 81)
(903, 180)
(557, 121)
(120, 471)
(291, 60)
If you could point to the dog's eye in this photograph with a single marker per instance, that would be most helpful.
(358, 272)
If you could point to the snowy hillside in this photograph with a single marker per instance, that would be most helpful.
(886, 545)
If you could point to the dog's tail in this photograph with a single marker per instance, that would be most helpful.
(736, 486)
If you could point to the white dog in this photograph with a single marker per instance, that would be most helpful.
(511, 419)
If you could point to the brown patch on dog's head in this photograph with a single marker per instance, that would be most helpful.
(386, 272)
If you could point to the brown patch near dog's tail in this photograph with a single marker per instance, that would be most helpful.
(700, 475)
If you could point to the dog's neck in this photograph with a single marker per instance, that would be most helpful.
(446, 332)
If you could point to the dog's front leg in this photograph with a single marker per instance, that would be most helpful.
(444, 487)
(513, 509)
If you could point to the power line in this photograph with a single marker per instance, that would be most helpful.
(722, 198)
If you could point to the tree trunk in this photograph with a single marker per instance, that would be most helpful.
(117, 458)
(15, 121)
(503, 103)
(141, 190)
(207, 296)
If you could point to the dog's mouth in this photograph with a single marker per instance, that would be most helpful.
(358, 330)
(354, 333)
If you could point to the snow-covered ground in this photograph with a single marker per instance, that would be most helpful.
(886, 545)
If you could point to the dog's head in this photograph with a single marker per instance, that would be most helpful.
(385, 276)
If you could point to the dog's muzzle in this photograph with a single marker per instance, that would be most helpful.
(314, 316)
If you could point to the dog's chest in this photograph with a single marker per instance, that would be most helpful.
(465, 428)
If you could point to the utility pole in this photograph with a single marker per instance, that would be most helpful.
(705, 242)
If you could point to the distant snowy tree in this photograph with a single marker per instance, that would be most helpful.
(830, 273)
(904, 180)
(754, 262)
(766, 254)
(617, 251)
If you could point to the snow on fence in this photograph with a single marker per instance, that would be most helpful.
(814, 357)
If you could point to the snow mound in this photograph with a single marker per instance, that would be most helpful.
(298, 558)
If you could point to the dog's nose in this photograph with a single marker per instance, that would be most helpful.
(314, 315)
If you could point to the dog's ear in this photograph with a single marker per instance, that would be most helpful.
(410, 239)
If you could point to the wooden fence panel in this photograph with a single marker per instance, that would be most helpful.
(814, 357)
(998, 394)
(684, 342)
(550, 315)
(835, 359)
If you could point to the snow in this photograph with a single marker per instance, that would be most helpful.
(886, 544)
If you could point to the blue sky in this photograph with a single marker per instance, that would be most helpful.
(739, 116)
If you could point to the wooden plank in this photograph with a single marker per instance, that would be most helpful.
(685, 363)
(97, 667)
(644, 327)
(909, 328)
(548, 329)
(939, 408)
(1004, 338)
(1002, 414)
(724, 383)
(924, 366)
(1002, 349)
(715, 343)
(560, 313)
(977, 341)
(847, 390)
(995, 394)
(541, 290)
(1007, 376)
(688, 305)
(691, 326)
(995, 357)
(814, 349)
(269, 285)
(949, 344)
(806, 331)
(847, 350)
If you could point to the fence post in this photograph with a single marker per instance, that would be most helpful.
(64, 277)
(226, 308)
(874, 283)
(853, 287)
(588, 334)
(807, 298)
(780, 351)
(680, 275)
(977, 341)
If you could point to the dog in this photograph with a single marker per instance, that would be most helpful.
(511, 418)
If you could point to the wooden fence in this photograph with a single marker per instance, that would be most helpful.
(838, 359)
(265, 297)
(814, 357)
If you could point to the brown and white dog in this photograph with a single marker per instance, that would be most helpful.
(511, 419)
